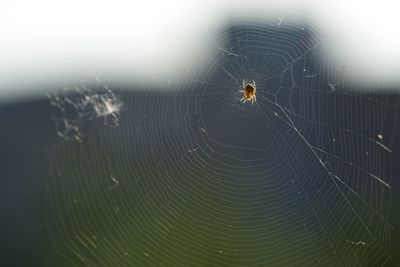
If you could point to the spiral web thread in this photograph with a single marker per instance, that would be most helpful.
(191, 176)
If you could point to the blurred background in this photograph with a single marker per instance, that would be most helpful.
(124, 140)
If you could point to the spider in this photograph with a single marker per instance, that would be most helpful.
(249, 92)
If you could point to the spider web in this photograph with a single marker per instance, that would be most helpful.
(190, 176)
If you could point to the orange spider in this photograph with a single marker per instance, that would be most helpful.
(249, 92)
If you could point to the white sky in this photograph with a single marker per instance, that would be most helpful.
(46, 41)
